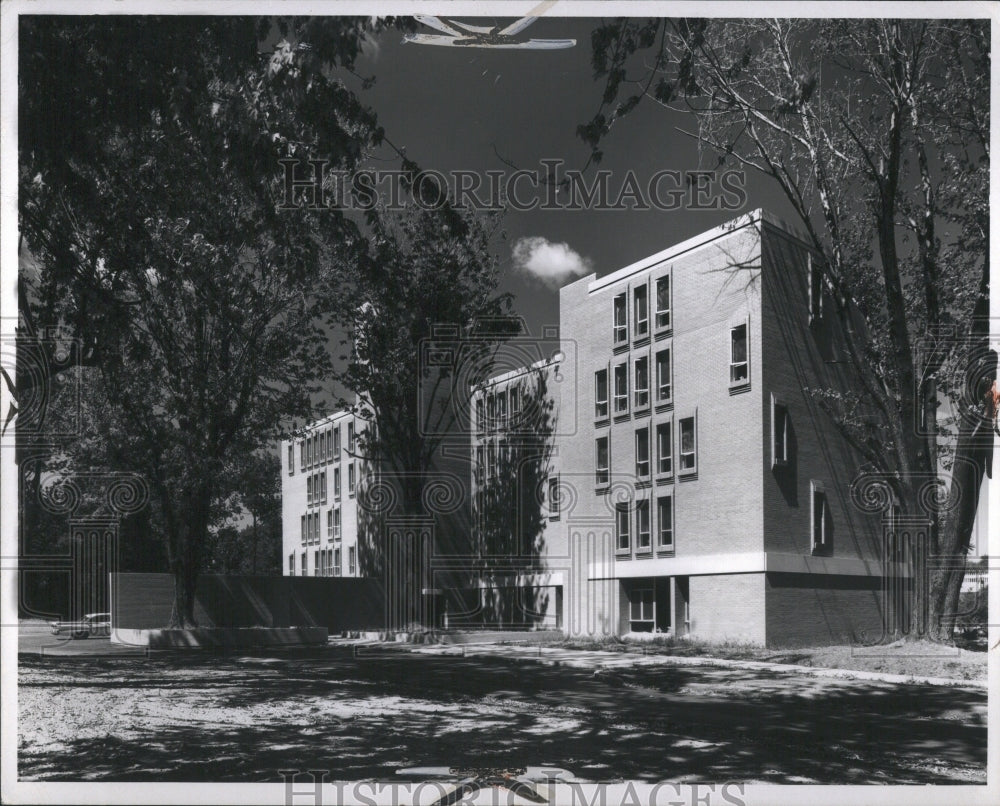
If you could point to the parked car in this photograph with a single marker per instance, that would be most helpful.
(90, 624)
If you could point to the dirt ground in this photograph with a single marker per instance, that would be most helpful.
(367, 713)
(910, 658)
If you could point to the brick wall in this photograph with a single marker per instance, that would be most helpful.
(728, 607)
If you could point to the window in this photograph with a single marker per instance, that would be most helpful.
(641, 299)
(336, 523)
(515, 402)
(779, 434)
(336, 484)
(621, 388)
(621, 319)
(291, 460)
(336, 562)
(329, 446)
(502, 408)
(329, 523)
(642, 453)
(739, 367)
(688, 446)
(491, 410)
(351, 560)
(302, 455)
(322, 446)
(642, 382)
(815, 290)
(603, 475)
(663, 302)
(291, 564)
(664, 390)
(480, 413)
(821, 523)
(309, 491)
(641, 609)
(553, 496)
(642, 525)
(664, 449)
(479, 464)
(303, 569)
(350, 479)
(350, 437)
(601, 394)
(322, 487)
(304, 536)
(312, 450)
(336, 443)
(621, 526)
(665, 521)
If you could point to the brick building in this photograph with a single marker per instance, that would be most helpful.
(702, 490)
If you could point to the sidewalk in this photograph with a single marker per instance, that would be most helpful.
(596, 659)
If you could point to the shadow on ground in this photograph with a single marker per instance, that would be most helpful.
(207, 717)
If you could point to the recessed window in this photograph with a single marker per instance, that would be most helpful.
(350, 437)
(329, 523)
(291, 460)
(622, 539)
(352, 560)
(688, 444)
(815, 290)
(480, 414)
(664, 389)
(515, 403)
(322, 446)
(350, 479)
(739, 366)
(323, 487)
(822, 526)
(291, 565)
(603, 463)
(642, 382)
(601, 394)
(642, 535)
(620, 319)
(641, 300)
(329, 446)
(336, 484)
(663, 302)
(641, 609)
(665, 522)
(336, 562)
(336, 443)
(642, 453)
(302, 455)
(664, 449)
(554, 496)
(309, 491)
(304, 565)
(621, 388)
(502, 408)
(336, 524)
(305, 537)
(780, 437)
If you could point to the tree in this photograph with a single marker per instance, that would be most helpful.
(149, 195)
(428, 269)
(877, 134)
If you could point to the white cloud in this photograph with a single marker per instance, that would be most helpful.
(550, 263)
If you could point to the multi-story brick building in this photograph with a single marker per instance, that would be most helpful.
(322, 470)
(703, 490)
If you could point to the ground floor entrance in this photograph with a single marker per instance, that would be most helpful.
(655, 605)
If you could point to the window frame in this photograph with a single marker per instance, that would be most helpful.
(636, 596)
(337, 524)
(336, 443)
(642, 506)
(598, 402)
(291, 459)
(352, 560)
(619, 331)
(639, 462)
(734, 326)
(336, 562)
(352, 479)
(780, 418)
(623, 395)
(636, 390)
(659, 325)
(818, 490)
(640, 314)
(553, 496)
(623, 518)
(667, 350)
(606, 470)
(667, 498)
(665, 427)
(681, 470)
(351, 438)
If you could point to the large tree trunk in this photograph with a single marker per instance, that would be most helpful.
(187, 554)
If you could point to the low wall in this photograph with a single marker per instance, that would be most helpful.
(339, 604)
(222, 638)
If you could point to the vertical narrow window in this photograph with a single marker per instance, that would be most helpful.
(336, 443)
(664, 389)
(622, 539)
(350, 437)
(336, 562)
(665, 522)
(309, 491)
(329, 445)
(480, 413)
(603, 464)
(315, 563)
(815, 290)
(621, 388)
(291, 564)
(620, 319)
(664, 449)
(291, 460)
(739, 367)
(553, 495)
(688, 446)
(322, 446)
(312, 450)
(350, 479)
(642, 382)
(304, 537)
(601, 394)
(821, 525)
(502, 408)
(303, 565)
(641, 299)
(642, 534)
(336, 484)
(779, 434)
(491, 411)
(663, 302)
(515, 402)
(491, 460)
(329, 524)
(351, 560)
(642, 453)
(302, 455)
(323, 487)
(336, 523)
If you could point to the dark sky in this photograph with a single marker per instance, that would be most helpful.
(450, 106)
